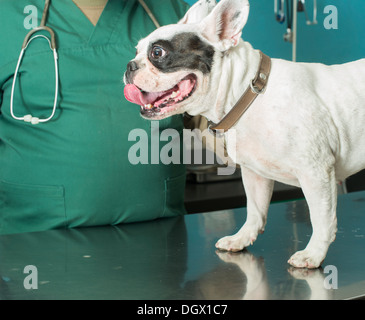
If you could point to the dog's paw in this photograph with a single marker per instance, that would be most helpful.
(306, 259)
(236, 242)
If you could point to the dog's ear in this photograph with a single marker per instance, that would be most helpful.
(223, 26)
(198, 11)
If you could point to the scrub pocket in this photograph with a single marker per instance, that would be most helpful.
(174, 196)
(26, 208)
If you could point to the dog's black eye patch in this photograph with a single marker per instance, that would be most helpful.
(183, 51)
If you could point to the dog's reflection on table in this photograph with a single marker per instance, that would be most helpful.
(246, 278)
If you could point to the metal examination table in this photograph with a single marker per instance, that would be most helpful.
(176, 259)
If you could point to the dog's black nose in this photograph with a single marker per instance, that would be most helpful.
(132, 66)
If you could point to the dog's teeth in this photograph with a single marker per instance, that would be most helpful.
(148, 106)
(174, 94)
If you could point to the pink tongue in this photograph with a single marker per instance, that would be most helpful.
(133, 94)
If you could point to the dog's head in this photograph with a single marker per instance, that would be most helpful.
(176, 64)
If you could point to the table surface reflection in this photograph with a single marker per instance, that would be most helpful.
(175, 258)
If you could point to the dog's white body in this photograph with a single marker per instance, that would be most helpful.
(306, 130)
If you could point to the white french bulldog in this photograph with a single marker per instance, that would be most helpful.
(305, 130)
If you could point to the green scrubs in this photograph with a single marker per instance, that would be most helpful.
(74, 170)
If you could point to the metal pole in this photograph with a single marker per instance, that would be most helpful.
(295, 15)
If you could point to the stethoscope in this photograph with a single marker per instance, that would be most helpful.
(301, 8)
(279, 11)
(52, 44)
(287, 10)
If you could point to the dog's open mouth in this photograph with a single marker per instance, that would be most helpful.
(153, 103)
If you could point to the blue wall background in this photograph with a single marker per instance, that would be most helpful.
(315, 43)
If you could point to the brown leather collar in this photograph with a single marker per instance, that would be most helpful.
(257, 86)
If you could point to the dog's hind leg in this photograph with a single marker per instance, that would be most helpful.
(258, 191)
(319, 188)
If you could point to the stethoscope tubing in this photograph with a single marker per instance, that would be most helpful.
(29, 117)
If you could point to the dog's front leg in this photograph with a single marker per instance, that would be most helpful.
(258, 192)
(320, 190)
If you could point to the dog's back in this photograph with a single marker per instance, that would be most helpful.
(329, 99)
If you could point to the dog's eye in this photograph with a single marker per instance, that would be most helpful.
(157, 52)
